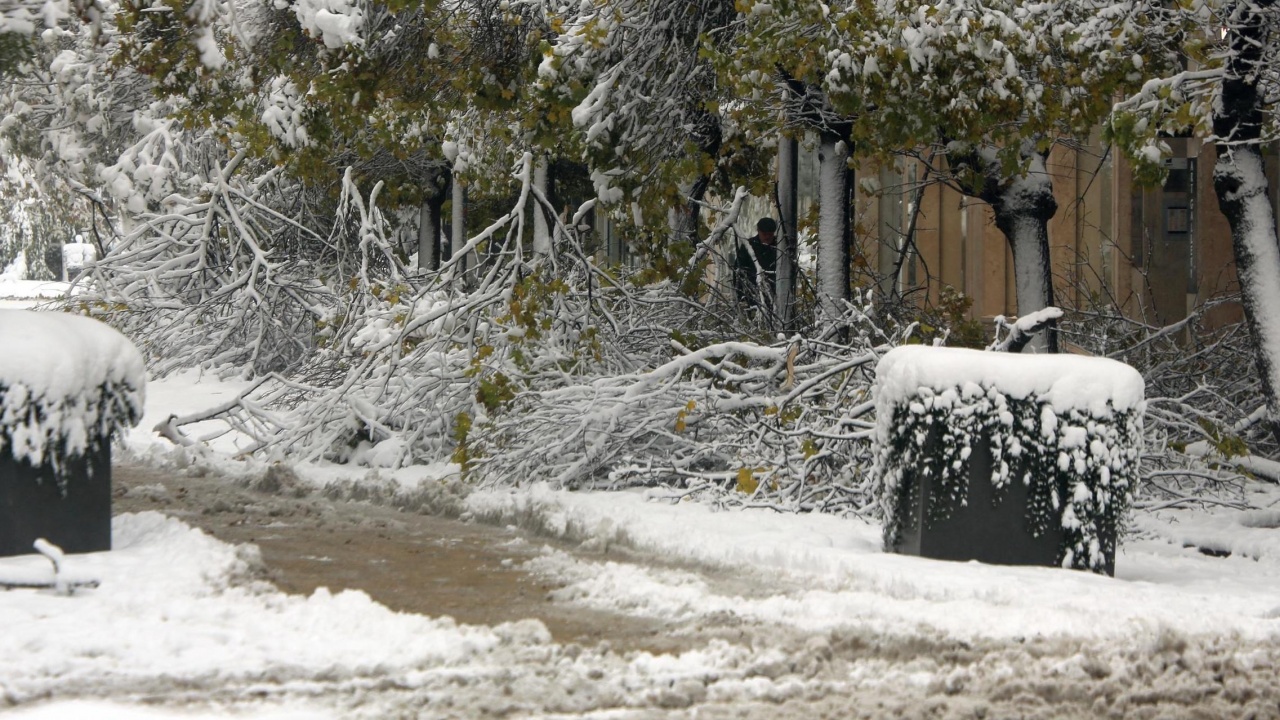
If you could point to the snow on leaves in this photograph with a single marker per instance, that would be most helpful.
(24, 18)
(989, 73)
(337, 23)
(283, 113)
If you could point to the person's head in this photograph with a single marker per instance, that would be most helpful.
(767, 229)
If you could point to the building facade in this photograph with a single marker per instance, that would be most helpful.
(1157, 253)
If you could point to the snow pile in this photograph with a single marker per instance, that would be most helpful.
(174, 602)
(818, 572)
(67, 383)
(180, 616)
(1067, 427)
(1067, 382)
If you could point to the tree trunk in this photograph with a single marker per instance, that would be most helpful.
(788, 258)
(1241, 187)
(1023, 207)
(683, 221)
(834, 183)
(541, 228)
(429, 236)
(1023, 210)
(458, 227)
(429, 221)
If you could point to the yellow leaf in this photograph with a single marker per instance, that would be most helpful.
(747, 482)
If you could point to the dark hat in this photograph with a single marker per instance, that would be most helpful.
(767, 225)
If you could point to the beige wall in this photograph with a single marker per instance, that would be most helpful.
(1107, 241)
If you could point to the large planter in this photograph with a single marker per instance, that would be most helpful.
(1006, 458)
(67, 385)
(70, 506)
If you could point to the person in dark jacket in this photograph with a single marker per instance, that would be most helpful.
(761, 251)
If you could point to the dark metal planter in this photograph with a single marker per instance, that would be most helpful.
(988, 525)
(68, 384)
(75, 515)
(1006, 459)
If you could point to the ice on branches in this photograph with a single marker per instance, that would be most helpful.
(523, 369)
(734, 423)
(218, 278)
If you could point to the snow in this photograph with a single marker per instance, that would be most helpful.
(170, 605)
(1029, 321)
(65, 378)
(177, 608)
(113, 711)
(59, 355)
(845, 580)
(1066, 382)
(18, 18)
(337, 23)
(210, 53)
(19, 294)
(282, 113)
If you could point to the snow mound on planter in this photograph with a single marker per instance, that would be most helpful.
(1067, 382)
(67, 382)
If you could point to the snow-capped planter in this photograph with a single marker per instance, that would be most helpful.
(75, 257)
(67, 384)
(1006, 458)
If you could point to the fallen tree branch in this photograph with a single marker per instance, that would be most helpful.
(1024, 330)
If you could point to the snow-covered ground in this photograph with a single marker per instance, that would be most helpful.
(18, 294)
(178, 627)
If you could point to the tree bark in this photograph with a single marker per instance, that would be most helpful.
(434, 192)
(458, 226)
(1242, 190)
(784, 301)
(541, 228)
(834, 183)
(1023, 207)
(683, 221)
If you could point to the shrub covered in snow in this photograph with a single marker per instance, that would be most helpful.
(1068, 427)
(67, 383)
